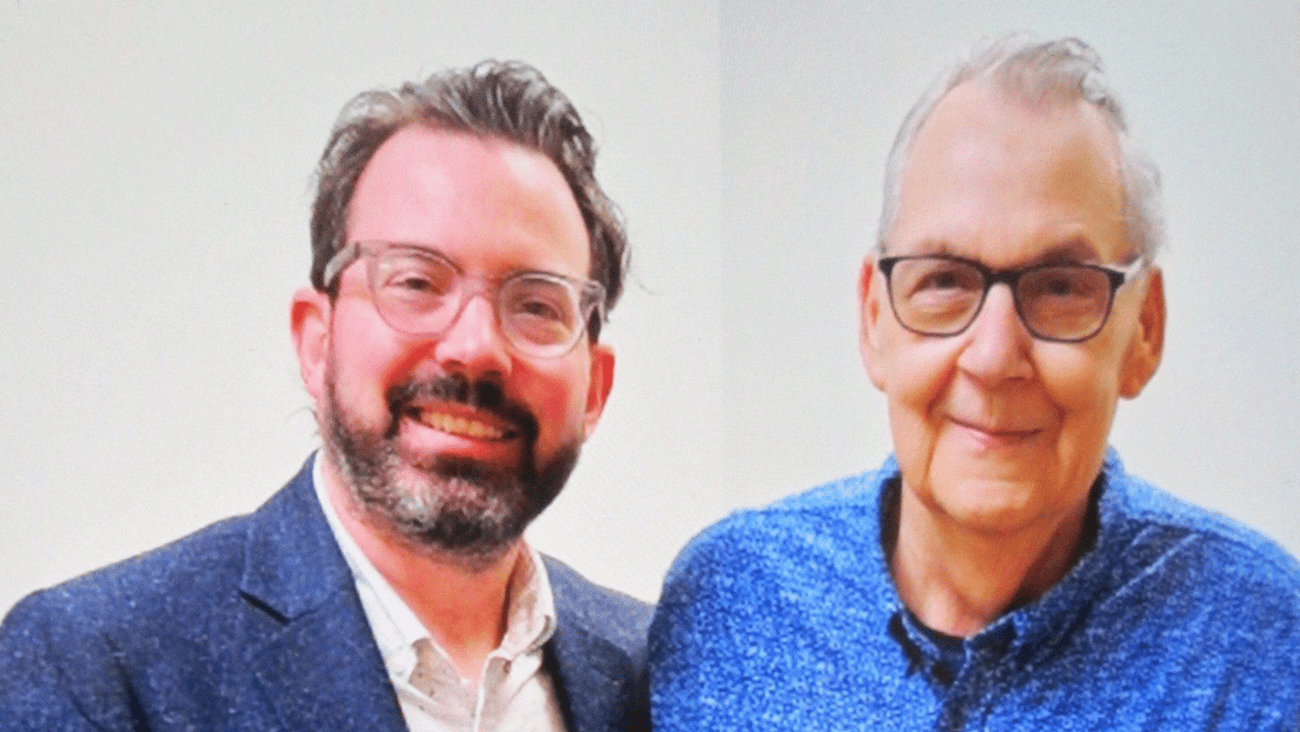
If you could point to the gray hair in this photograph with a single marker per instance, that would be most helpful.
(510, 100)
(1060, 71)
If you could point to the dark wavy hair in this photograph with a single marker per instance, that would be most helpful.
(510, 100)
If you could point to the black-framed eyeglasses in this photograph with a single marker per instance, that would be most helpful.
(941, 295)
(421, 292)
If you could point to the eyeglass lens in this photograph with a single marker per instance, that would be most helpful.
(941, 296)
(420, 293)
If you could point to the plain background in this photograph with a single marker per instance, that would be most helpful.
(153, 225)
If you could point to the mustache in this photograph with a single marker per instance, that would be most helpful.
(483, 395)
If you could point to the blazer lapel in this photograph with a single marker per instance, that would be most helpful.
(324, 672)
(593, 676)
(315, 657)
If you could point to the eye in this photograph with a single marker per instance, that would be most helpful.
(413, 281)
(540, 302)
(1065, 301)
(928, 278)
(1059, 285)
(940, 280)
(1080, 284)
(416, 276)
(540, 310)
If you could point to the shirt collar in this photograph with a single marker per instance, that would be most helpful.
(1042, 620)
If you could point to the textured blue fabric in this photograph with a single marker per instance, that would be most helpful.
(786, 618)
(254, 624)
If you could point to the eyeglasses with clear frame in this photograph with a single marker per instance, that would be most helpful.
(941, 295)
(420, 292)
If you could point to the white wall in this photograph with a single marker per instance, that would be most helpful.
(153, 224)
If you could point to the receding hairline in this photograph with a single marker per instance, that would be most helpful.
(1064, 68)
(1100, 133)
(1095, 122)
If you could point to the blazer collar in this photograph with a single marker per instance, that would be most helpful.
(313, 653)
(293, 564)
(594, 676)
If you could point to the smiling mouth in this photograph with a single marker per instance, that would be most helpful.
(997, 433)
(463, 426)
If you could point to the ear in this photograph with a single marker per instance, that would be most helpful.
(1144, 351)
(869, 301)
(602, 380)
(309, 319)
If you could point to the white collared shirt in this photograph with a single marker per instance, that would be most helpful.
(514, 693)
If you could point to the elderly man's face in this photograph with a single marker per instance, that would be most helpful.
(457, 436)
(996, 430)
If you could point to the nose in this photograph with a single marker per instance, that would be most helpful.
(997, 343)
(473, 343)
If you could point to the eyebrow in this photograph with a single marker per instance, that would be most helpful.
(1075, 250)
(431, 251)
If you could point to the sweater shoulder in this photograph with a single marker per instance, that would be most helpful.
(1227, 546)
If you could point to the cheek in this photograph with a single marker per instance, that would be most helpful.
(356, 390)
(556, 393)
(364, 364)
(1085, 390)
(918, 375)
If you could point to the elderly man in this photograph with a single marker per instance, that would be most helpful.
(464, 258)
(1003, 570)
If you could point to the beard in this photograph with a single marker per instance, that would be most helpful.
(459, 507)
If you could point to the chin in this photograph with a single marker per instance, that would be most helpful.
(991, 506)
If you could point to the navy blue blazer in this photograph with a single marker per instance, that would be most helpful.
(254, 624)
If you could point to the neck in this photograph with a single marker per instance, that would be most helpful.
(957, 581)
(463, 605)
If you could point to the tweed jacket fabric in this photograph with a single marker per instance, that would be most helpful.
(787, 618)
(254, 624)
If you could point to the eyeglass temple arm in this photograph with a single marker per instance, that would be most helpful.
(346, 255)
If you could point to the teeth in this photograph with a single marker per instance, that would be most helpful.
(462, 427)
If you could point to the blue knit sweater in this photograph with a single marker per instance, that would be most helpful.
(786, 618)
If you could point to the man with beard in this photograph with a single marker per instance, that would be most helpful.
(464, 258)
